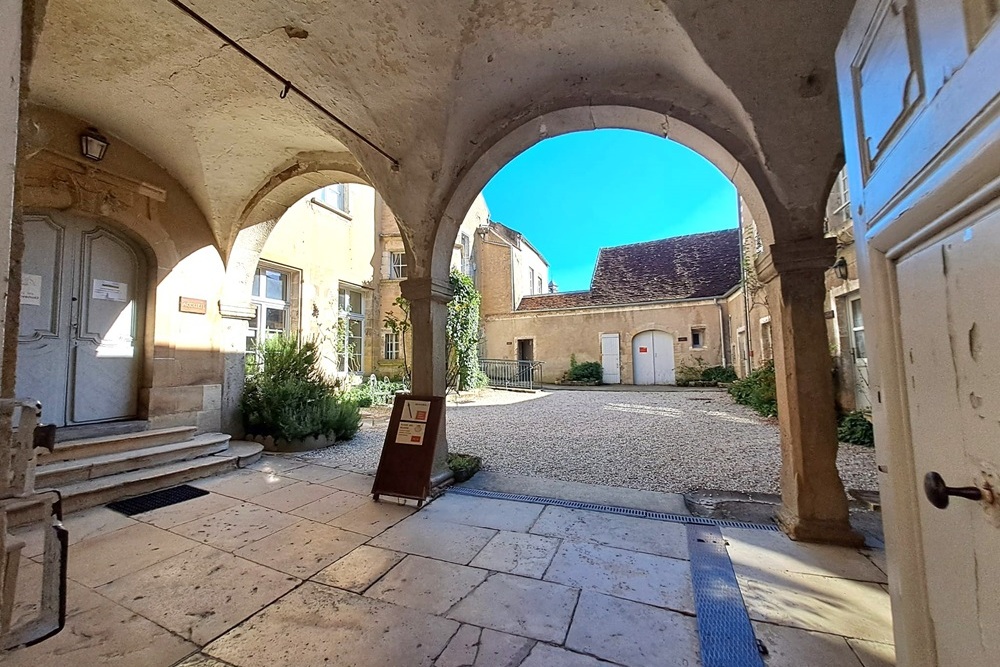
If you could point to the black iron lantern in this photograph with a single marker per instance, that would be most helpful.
(93, 144)
(840, 268)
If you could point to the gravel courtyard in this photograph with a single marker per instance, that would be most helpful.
(672, 441)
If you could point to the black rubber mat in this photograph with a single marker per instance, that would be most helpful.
(156, 500)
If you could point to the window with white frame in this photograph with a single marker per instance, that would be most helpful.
(698, 338)
(531, 280)
(467, 267)
(838, 206)
(390, 346)
(397, 265)
(334, 196)
(766, 346)
(352, 313)
(271, 301)
(539, 290)
(857, 330)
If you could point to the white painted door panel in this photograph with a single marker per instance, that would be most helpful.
(653, 358)
(611, 358)
(663, 358)
(950, 322)
(79, 348)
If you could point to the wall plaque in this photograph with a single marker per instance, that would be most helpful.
(191, 305)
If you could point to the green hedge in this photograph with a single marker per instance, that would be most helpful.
(758, 391)
(588, 371)
(854, 428)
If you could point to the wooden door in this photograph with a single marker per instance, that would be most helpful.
(611, 358)
(920, 98)
(82, 311)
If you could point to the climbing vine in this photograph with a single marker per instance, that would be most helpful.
(463, 334)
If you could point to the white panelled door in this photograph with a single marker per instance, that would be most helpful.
(653, 358)
(611, 358)
(82, 311)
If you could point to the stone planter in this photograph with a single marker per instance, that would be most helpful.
(305, 445)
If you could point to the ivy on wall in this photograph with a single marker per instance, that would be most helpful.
(463, 334)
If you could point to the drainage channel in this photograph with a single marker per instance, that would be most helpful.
(610, 509)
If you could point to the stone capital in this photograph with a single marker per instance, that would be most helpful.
(815, 254)
(423, 289)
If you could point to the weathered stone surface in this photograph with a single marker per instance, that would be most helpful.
(293, 496)
(655, 580)
(244, 484)
(462, 649)
(427, 584)
(237, 526)
(302, 549)
(625, 532)
(774, 551)
(317, 625)
(519, 606)
(791, 647)
(277, 465)
(201, 660)
(359, 569)
(353, 482)
(314, 473)
(825, 604)
(108, 635)
(81, 526)
(544, 655)
(372, 518)
(201, 593)
(330, 507)
(435, 539)
(110, 556)
(517, 553)
(189, 510)
(633, 634)
(483, 512)
(874, 654)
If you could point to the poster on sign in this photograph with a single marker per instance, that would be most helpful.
(643, 350)
(410, 433)
(416, 411)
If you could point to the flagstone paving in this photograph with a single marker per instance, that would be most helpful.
(290, 563)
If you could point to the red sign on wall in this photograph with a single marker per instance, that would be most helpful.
(643, 350)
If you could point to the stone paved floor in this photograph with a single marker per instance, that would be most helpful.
(291, 564)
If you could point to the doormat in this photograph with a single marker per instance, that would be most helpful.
(156, 500)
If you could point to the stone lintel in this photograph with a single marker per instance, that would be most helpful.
(237, 311)
(421, 289)
(814, 254)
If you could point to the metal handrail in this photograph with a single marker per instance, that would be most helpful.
(512, 373)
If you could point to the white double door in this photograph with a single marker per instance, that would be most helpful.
(82, 311)
(653, 358)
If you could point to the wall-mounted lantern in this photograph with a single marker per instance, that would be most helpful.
(840, 268)
(93, 144)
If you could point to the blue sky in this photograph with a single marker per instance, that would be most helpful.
(606, 188)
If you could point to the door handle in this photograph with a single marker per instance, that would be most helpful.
(940, 493)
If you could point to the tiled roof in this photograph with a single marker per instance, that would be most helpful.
(698, 266)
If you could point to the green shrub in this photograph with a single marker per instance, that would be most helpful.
(289, 398)
(588, 371)
(377, 392)
(757, 390)
(854, 428)
(719, 374)
(464, 466)
(685, 374)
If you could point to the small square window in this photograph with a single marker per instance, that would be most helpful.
(391, 346)
(397, 265)
(697, 338)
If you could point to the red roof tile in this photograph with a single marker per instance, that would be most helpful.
(697, 266)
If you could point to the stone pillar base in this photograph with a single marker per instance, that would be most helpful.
(821, 531)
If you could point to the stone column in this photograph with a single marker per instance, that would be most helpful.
(813, 502)
(10, 104)
(235, 326)
(429, 318)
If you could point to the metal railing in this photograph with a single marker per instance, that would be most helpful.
(512, 374)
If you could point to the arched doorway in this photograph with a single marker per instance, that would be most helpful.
(653, 358)
(83, 306)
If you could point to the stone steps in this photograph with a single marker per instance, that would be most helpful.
(110, 444)
(60, 473)
(102, 490)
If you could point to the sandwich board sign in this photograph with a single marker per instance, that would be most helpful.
(407, 460)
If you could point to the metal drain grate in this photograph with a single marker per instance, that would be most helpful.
(626, 511)
(156, 500)
(724, 630)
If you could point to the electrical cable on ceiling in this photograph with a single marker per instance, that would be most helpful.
(287, 86)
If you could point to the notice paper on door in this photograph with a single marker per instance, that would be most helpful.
(109, 290)
(31, 289)
(410, 433)
(416, 411)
